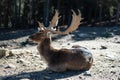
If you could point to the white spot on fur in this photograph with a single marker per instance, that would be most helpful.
(87, 54)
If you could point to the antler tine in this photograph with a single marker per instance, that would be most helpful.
(54, 20)
(41, 26)
(80, 15)
(73, 12)
(79, 12)
(74, 24)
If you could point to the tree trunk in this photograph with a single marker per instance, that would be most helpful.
(100, 15)
(46, 12)
(15, 14)
(117, 15)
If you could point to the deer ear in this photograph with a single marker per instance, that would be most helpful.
(48, 34)
(38, 29)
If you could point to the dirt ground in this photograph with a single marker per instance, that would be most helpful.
(26, 63)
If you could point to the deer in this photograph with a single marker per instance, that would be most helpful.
(60, 60)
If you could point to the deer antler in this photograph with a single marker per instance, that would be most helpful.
(54, 21)
(41, 26)
(74, 24)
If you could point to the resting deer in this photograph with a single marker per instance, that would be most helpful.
(76, 58)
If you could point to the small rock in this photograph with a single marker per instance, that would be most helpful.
(76, 46)
(23, 61)
(103, 47)
(110, 56)
(68, 44)
(60, 43)
(80, 77)
(4, 52)
(101, 54)
(28, 51)
(93, 48)
(41, 63)
(118, 42)
(14, 52)
(11, 66)
(18, 52)
(47, 77)
(38, 56)
(113, 72)
(87, 73)
(113, 66)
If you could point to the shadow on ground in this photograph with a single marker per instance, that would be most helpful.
(16, 34)
(90, 33)
(42, 75)
(82, 33)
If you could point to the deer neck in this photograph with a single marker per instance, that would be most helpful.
(44, 47)
(46, 43)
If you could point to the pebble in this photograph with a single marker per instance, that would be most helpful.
(118, 42)
(93, 48)
(4, 53)
(68, 43)
(47, 77)
(87, 73)
(80, 77)
(18, 52)
(110, 56)
(23, 61)
(11, 66)
(103, 47)
(35, 55)
(113, 72)
(113, 66)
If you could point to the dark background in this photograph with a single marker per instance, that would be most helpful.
(24, 14)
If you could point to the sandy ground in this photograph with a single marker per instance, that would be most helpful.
(103, 42)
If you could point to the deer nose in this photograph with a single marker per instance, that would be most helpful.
(30, 37)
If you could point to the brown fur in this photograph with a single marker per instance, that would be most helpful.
(63, 59)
